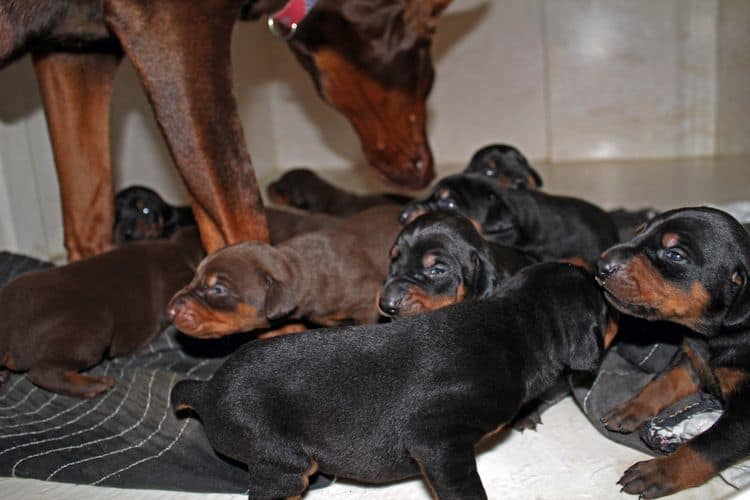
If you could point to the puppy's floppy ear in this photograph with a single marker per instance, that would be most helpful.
(586, 350)
(738, 315)
(280, 299)
(535, 176)
(483, 277)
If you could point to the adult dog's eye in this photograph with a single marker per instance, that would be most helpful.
(674, 254)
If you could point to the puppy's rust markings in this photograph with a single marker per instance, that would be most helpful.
(284, 330)
(666, 389)
(730, 379)
(416, 300)
(197, 320)
(686, 468)
(578, 261)
(610, 331)
(668, 240)
(643, 285)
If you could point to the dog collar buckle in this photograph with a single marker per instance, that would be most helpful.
(283, 23)
(282, 33)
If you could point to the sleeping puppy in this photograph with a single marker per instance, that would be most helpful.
(688, 266)
(141, 214)
(61, 320)
(329, 277)
(545, 226)
(402, 399)
(304, 189)
(440, 259)
(506, 165)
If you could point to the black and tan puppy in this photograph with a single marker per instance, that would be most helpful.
(402, 399)
(688, 266)
(328, 277)
(441, 259)
(507, 165)
(61, 320)
(545, 226)
(141, 214)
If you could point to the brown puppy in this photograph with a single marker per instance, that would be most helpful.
(329, 277)
(61, 320)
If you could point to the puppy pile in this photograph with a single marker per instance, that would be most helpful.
(443, 317)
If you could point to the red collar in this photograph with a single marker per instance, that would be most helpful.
(290, 15)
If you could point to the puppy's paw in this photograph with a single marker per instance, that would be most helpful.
(527, 422)
(626, 417)
(97, 385)
(650, 479)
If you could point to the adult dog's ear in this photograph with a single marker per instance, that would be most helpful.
(737, 316)
(422, 15)
(484, 276)
(280, 300)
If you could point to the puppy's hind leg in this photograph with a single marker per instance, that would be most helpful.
(274, 479)
(69, 382)
(451, 473)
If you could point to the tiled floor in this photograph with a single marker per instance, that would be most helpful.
(566, 458)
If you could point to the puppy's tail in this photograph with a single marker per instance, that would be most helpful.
(187, 394)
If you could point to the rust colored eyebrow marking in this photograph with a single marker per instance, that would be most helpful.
(428, 260)
(668, 240)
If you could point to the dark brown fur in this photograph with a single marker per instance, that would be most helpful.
(61, 320)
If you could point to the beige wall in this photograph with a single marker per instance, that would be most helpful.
(733, 110)
(562, 79)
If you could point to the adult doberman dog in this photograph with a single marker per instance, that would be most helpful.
(370, 59)
(688, 266)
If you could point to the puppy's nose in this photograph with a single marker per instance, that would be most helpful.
(389, 305)
(606, 268)
(174, 307)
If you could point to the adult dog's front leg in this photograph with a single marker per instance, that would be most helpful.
(76, 90)
(180, 49)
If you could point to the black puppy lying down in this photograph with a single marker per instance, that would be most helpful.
(440, 259)
(542, 225)
(379, 403)
(141, 214)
